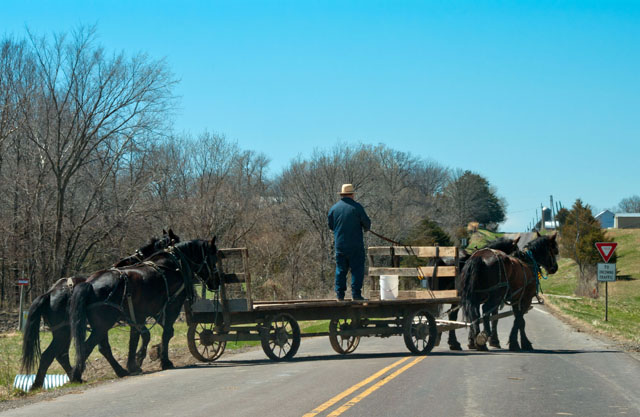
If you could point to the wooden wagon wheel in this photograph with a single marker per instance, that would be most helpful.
(281, 337)
(202, 344)
(339, 343)
(420, 332)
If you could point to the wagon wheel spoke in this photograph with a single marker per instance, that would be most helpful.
(420, 331)
(339, 342)
(281, 337)
(202, 344)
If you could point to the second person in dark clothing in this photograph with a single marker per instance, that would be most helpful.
(348, 220)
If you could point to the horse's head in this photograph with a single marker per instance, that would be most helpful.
(211, 280)
(168, 239)
(202, 257)
(544, 250)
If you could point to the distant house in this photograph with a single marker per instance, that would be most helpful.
(606, 219)
(627, 221)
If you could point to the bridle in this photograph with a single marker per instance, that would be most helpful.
(196, 268)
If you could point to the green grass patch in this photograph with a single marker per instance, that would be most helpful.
(482, 237)
(624, 294)
(315, 326)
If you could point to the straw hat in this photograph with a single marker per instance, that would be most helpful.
(347, 189)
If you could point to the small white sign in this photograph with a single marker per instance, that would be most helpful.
(606, 272)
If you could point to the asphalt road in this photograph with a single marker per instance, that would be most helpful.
(571, 373)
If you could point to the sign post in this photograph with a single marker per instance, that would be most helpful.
(606, 271)
(22, 282)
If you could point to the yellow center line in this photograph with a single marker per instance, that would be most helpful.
(374, 387)
(360, 384)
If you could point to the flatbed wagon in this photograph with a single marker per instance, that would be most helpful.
(215, 319)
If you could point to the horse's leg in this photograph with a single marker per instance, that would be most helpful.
(132, 364)
(142, 353)
(524, 341)
(105, 348)
(513, 335)
(474, 329)
(170, 316)
(494, 341)
(453, 341)
(62, 355)
(487, 309)
(87, 348)
(45, 361)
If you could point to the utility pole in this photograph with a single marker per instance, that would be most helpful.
(553, 216)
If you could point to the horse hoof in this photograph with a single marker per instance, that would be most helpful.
(168, 365)
(455, 346)
(134, 370)
(481, 339)
(514, 347)
(122, 374)
(483, 348)
(527, 348)
(495, 344)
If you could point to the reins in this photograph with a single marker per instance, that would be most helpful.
(386, 238)
(410, 250)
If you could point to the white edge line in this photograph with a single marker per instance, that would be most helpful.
(542, 311)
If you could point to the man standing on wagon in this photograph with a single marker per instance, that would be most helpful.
(348, 219)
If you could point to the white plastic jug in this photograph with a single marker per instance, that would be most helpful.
(388, 287)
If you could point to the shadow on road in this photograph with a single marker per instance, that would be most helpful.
(363, 356)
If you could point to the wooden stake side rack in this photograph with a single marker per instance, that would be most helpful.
(431, 274)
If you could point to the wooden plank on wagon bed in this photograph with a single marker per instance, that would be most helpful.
(418, 294)
(418, 271)
(427, 251)
(379, 250)
(232, 252)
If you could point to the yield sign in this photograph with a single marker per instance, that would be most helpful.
(606, 249)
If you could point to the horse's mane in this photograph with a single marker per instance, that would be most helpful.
(535, 246)
(189, 246)
(500, 243)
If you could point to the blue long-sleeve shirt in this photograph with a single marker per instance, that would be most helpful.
(348, 219)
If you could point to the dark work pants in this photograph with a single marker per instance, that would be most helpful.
(346, 261)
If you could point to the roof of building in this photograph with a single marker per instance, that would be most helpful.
(603, 212)
(627, 214)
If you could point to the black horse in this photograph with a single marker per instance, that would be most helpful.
(53, 308)
(503, 244)
(491, 278)
(155, 288)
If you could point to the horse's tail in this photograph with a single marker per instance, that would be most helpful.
(79, 300)
(468, 278)
(31, 337)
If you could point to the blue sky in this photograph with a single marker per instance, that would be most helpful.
(542, 97)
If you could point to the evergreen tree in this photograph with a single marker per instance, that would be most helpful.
(428, 233)
(470, 197)
(579, 233)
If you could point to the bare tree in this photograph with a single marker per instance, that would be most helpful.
(630, 204)
(90, 107)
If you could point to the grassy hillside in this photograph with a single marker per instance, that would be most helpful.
(624, 294)
(481, 238)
